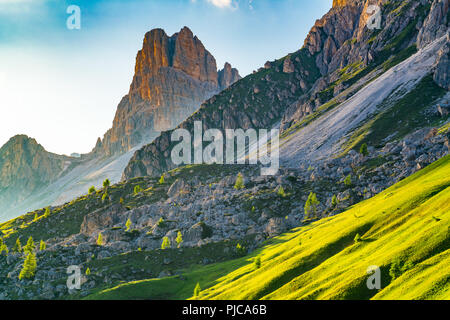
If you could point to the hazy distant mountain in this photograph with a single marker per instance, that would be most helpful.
(25, 167)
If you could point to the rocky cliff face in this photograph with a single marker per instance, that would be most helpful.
(436, 23)
(331, 32)
(25, 167)
(442, 70)
(346, 49)
(228, 76)
(343, 37)
(173, 76)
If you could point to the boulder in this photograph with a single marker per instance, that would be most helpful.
(102, 219)
(177, 188)
(194, 234)
(84, 248)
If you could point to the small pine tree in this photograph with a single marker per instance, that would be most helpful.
(364, 150)
(179, 239)
(29, 267)
(100, 239)
(105, 196)
(257, 262)
(240, 249)
(137, 189)
(281, 192)
(239, 182)
(334, 201)
(165, 244)
(42, 245)
(17, 248)
(197, 290)
(311, 206)
(30, 246)
(160, 223)
(47, 212)
(88, 271)
(128, 225)
(92, 190)
(4, 249)
(396, 270)
(348, 180)
(106, 183)
(161, 180)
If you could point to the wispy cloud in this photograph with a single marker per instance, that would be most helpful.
(19, 6)
(13, 1)
(224, 3)
(221, 3)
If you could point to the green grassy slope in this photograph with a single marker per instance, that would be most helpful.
(407, 224)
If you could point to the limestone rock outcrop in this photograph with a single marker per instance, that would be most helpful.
(436, 23)
(442, 72)
(173, 76)
(228, 76)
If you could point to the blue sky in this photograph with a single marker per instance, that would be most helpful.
(62, 86)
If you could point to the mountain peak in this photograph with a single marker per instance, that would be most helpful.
(20, 137)
(186, 31)
(182, 51)
(227, 76)
(340, 3)
(173, 76)
(22, 158)
(19, 140)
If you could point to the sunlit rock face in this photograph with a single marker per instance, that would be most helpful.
(173, 76)
(228, 76)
